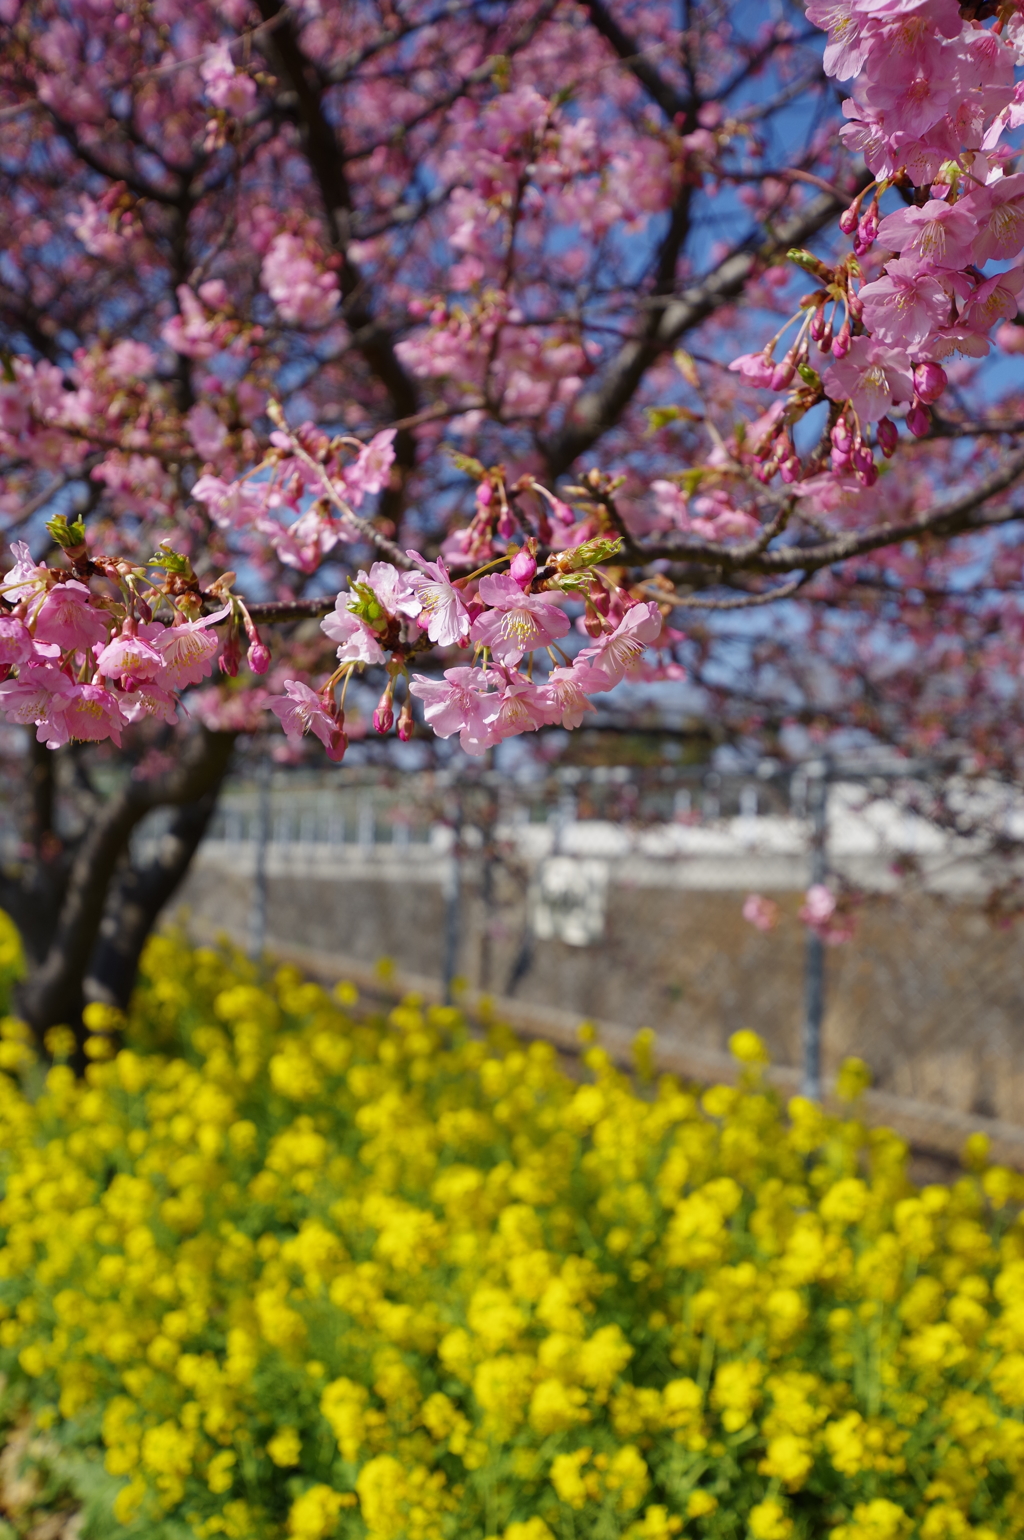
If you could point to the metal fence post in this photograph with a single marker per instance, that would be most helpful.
(258, 911)
(814, 957)
(453, 902)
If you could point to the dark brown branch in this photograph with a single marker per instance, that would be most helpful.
(599, 408)
(953, 519)
(657, 88)
(327, 163)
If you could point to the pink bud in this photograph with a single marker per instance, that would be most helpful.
(790, 470)
(406, 724)
(337, 746)
(841, 461)
(563, 513)
(825, 340)
(484, 493)
(930, 381)
(258, 657)
(782, 374)
(864, 465)
(849, 217)
(841, 344)
(230, 656)
(384, 716)
(817, 327)
(523, 569)
(918, 420)
(856, 306)
(506, 525)
(842, 438)
(888, 437)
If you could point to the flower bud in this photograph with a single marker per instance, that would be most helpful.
(231, 655)
(842, 438)
(523, 569)
(790, 470)
(592, 622)
(888, 437)
(337, 746)
(406, 724)
(864, 465)
(918, 420)
(258, 657)
(849, 217)
(782, 374)
(384, 715)
(867, 231)
(841, 344)
(930, 381)
(825, 340)
(841, 461)
(817, 326)
(506, 525)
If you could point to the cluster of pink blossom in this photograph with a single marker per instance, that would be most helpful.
(822, 912)
(933, 95)
(82, 666)
(388, 614)
(303, 474)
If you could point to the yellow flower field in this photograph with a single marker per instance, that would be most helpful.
(277, 1269)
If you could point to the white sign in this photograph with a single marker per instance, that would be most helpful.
(569, 900)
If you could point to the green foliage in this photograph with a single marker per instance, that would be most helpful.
(314, 1273)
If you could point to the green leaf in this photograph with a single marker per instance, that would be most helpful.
(171, 561)
(64, 534)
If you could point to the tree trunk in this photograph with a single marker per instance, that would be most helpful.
(108, 908)
(135, 902)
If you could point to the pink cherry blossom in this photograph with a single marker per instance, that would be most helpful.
(443, 616)
(205, 429)
(905, 305)
(148, 700)
(516, 622)
(617, 654)
(191, 332)
(189, 648)
(30, 697)
(762, 913)
(872, 377)
(462, 704)
(567, 690)
(302, 294)
(225, 87)
(66, 616)
(370, 472)
(520, 707)
(393, 588)
(302, 710)
(15, 641)
(131, 654)
(357, 643)
(88, 713)
(942, 234)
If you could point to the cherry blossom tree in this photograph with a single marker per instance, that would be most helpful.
(491, 354)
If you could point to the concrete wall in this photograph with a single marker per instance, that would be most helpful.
(929, 992)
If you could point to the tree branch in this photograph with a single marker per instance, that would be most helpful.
(955, 518)
(599, 408)
(657, 88)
